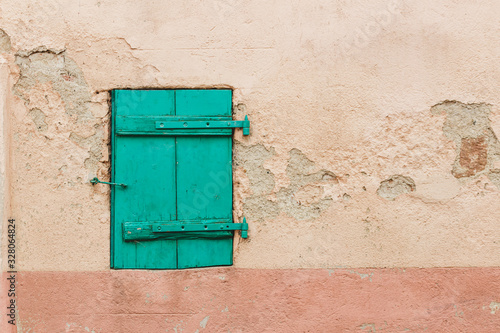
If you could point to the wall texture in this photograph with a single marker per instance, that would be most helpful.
(370, 180)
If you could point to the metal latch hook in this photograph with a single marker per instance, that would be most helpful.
(95, 180)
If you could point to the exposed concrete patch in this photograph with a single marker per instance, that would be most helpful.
(494, 307)
(203, 323)
(252, 159)
(308, 195)
(261, 181)
(396, 185)
(93, 144)
(260, 208)
(43, 66)
(469, 126)
(304, 198)
(39, 119)
(494, 176)
(5, 45)
(368, 327)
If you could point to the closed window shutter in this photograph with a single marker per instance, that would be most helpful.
(184, 179)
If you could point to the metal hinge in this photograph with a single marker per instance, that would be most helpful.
(208, 124)
(134, 231)
(187, 227)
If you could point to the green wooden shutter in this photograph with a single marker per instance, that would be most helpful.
(171, 179)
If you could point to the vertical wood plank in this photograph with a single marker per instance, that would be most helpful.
(147, 165)
(204, 178)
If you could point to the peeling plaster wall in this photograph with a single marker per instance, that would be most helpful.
(303, 198)
(477, 146)
(60, 141)
(374, 143)
(374, 135)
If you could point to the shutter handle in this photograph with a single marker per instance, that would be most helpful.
(95, 180)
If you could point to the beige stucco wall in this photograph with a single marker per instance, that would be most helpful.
(342, 96)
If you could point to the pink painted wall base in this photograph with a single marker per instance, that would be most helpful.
(254, 300)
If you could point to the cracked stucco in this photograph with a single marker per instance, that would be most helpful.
(394, 186)
(60, 141)
(55, 68)
(326, 130)
(39, 119)
(5, 45)
(477, 146)
(304, 198)
(44, 65)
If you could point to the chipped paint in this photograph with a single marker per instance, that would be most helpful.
(59, 72)
(349, 271)
(477, 145)
(494, 307)
(396, 185)
(368, 327)
(305, 196)
(203, 323)
(5, 44)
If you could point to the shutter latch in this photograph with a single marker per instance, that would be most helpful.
(95, 180)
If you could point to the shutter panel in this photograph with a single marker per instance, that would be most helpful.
(170, 179)
(204, 178)
(147, 165)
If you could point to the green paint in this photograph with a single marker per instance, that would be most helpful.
(134, 231)
(206, 125)
(181, 177)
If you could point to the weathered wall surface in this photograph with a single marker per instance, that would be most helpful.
(319, 300)
(374, 139)
(373, 133)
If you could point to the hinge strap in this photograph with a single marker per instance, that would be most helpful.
(207, 124)
(187, 227)
(135, 231)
